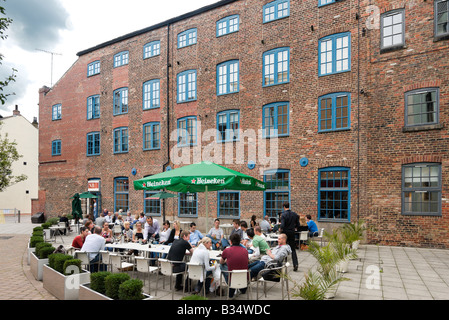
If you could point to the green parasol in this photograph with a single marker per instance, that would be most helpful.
(200, 177)
(76, 207)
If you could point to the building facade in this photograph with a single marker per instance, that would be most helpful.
(339, 106)
(19, 196)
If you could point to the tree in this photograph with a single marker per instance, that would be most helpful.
(4, 23)
(8, 154)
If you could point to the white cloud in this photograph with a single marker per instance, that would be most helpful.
(66, 27)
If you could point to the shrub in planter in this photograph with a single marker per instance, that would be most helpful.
(53, 221)
(56, 261)
(97, 281)
(39, 233)
(38, 229)
(131, 290)
(45, 252)
(46, 225)
(39, 246)
(71, 262)
(34, 240)
(113, 282)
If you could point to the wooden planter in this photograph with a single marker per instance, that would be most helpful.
(37, 266)
(86, 293)
(61, 286)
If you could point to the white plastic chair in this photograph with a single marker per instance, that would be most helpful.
(105, 258)
(237, 279)
(118, 263)
(166, 268)
(321, 236)
(195, 271)
(143, 265)
(84, 257)
(283, 280)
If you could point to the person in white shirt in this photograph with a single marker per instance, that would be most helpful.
(165, 232)
(216, 234)
(201, 255)
(93, 244)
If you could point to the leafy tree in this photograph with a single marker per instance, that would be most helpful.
(8, 154)
(4, 23)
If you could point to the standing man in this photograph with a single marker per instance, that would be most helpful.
(151, 229)
(289, 224)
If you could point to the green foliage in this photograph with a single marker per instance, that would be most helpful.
(45, 252)
(53, 221)
(34, 240)
(131, 290)
(112, 284)
(38, 233)
(8, 155)
(38, 229)
(97, 281)
(4, 23)
(39, 246)
(46, 225)
(71, 262)
(57, 260)
(194, 297)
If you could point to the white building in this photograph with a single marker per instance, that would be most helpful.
(26, 135)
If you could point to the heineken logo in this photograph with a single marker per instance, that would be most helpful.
(208, 181)
(260, 185)
(157, 183)
(245, 181)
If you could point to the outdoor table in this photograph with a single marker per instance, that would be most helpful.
(226, 228)
(187, 223)
(57, 230)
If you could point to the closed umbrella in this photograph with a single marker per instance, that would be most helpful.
(200, 177)
(77, 213)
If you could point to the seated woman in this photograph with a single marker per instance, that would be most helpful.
(175, 233)
(138, 232)
(201, 256)
(78, 241)
(106, 233)
(165, 232)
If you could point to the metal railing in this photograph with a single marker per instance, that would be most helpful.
(6, 215)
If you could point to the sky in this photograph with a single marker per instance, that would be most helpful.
(46, 30)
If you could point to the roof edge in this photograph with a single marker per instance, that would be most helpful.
(157, 26)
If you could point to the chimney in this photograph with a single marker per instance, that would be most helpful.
(35, 123)
(16, 111)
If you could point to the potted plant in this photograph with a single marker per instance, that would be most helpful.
(105, 285)
(36, 237)
(39, 258)
(63, 275)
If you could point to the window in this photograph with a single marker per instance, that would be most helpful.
(276, 65)
(151, 136)
(151, 94)
(228, 77)
(324, 2)
(56, 148)
(441, 17)
(421, 189)
(277, 191)
(187, 131)
(275, 120)
(121, 140)
(187, 204)
(276, 10)
(120, 101)
(93, 144)
(228, 204)
(333, 194)
(151, 49)
(93, 68)
(334, 54)
(392, 29)
(121, 194)
(334, 112)
(228, 125)
(187, 38)
(56, 112)
(151, 206)
(187, 86)
(227, 25)
(422, 107)
(121, 59)
(93, 107)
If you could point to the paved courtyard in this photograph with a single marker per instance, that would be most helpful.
(380, 273)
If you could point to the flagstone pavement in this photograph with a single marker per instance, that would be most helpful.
(380, 273)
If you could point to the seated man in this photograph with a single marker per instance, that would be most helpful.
(216, 234)
(176, 253)
(195, 235)
(93, 244)
(313, 229)
(275, 255)
(237, 229)
(258, 242)
(234, 257)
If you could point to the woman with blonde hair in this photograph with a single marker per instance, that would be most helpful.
(175, 233)
(201, 256)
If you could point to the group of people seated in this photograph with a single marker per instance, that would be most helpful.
(246, 247)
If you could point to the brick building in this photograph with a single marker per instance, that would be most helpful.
(340, 106)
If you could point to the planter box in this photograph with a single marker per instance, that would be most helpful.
(37, 266)
(61, 286)
(86, 293)
(30, 250)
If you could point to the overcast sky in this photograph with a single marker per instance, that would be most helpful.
(66, 27)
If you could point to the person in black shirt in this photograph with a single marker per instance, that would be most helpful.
(289, 224)
(177, 252)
